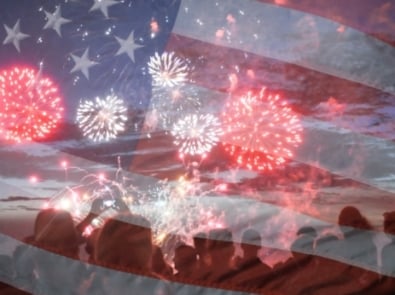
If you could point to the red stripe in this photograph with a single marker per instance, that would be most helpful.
(307, 88)
(374, 17)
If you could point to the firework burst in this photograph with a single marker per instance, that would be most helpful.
(196, 134)
(260, 132)
(30, 105)
(102, 119)
(168, 105)
(168, 70)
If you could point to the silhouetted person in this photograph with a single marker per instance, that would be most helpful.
(125, 243)
(330, 274)
(57, 240)
(200, 243)
(159, 264)
(185, 262)
(307, 230)
(357, 250)
(98, 207)
(357, 246)
(250, 268)
(293, 275)
(221, 250)
(324, 247)
(55, 230)
(125, 240)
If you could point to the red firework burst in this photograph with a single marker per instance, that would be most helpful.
(30, 105)
(260, 131)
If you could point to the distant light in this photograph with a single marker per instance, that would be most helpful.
(33, 179)
(64, 164)
(222, 187)
(230, 18)
(154, 28)
(65, 204)
(101, 176)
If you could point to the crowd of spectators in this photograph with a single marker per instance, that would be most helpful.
(123, 259)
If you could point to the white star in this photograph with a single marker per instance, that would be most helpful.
(14, 35)
(103, 6)
(128, 46)
(55, 20)
(82, 63)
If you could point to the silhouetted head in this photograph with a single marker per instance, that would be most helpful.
(352, 217)
(158, 263)
(307, 230)
(185, 258)
(251, 242)
(54, 229)
(125, 240)
(220, 245)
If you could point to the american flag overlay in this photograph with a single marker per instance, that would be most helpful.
(197, 147)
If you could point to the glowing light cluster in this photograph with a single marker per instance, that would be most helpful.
(260, 131)
(30, 105)
(102, 119)
(196, 134)
(171, 207)
(174, 207)
(167, 70)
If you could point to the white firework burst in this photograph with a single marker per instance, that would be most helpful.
(102, 119)
(196, 134)
(168, 70)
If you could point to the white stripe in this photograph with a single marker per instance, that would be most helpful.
(68, 273)
(280, 33)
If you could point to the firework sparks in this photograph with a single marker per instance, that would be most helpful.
(30, 105)
(79, 198)
(196, 134)
(169, 104)
(174, 207)
(102, 119)
(260, 132)
(171, 207)
(168, 70)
